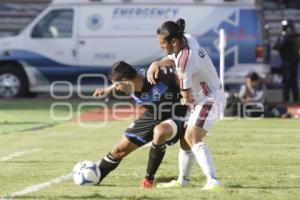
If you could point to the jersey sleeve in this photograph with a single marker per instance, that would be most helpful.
(171, 57)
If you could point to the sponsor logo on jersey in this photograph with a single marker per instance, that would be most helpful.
(201, 53)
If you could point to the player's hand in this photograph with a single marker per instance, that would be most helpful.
(187, 97)
(152, 73)
(101, 92)
(189, 103)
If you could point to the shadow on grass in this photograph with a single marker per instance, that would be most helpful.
(165, 178)
(92, 196)
(238, 186)
(21, 123)
(41, 162)
(40, 127)
(34, 126)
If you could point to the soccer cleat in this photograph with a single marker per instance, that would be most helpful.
(213, 184)
(171, 184)
(147, 184)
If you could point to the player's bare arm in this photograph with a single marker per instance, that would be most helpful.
(153, 70)
(104, 92)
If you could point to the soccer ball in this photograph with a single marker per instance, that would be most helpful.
(86, 173)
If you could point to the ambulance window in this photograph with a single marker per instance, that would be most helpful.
(56, 24)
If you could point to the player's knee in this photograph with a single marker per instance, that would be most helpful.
(188, 137)
(184, 145)
(193, 135)
(161, 133)
(119, 152)
(159, 130)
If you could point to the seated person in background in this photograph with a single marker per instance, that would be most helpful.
(252, 94)
(253, 90)
(251, 101)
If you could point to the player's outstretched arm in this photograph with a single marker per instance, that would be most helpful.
(153, 70)
(104, 92)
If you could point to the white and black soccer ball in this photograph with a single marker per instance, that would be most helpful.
(86, 173)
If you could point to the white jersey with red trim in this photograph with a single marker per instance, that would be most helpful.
(196, 70)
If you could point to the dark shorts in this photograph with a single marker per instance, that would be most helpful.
(140, 132)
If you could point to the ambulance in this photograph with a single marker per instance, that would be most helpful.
(72, 44)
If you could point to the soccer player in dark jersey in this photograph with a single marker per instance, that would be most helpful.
(162, 122)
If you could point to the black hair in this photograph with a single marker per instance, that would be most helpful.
(253, 76)
(172, 29)
(122, 70)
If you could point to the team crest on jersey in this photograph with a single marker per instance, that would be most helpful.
(156, 94)
(201, 53)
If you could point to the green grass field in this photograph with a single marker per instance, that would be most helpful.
(254, 159)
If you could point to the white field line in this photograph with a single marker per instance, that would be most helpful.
(37, 187)
(16, 154)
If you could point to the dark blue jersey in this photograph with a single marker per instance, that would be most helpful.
(163, 98)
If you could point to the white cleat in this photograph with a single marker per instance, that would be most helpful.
(172, 184)
(212, 184)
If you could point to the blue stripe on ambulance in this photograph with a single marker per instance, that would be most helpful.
(53, 70)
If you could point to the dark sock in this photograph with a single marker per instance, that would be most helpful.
(108, 164)
(156, 154)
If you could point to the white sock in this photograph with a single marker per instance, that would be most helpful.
(185, 161)
(204, 159)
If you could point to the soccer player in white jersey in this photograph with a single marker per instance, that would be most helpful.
(201, 90)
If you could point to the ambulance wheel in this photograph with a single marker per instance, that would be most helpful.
(13, 82)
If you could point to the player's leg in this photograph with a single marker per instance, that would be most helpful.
(113, 159)
(201, 120)
(161, 133)
(186, 160)
(201, 151)
(167, 132)
(203, 157)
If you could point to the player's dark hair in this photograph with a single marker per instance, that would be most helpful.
(172, 29)
(253, 76)
(122, 70)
